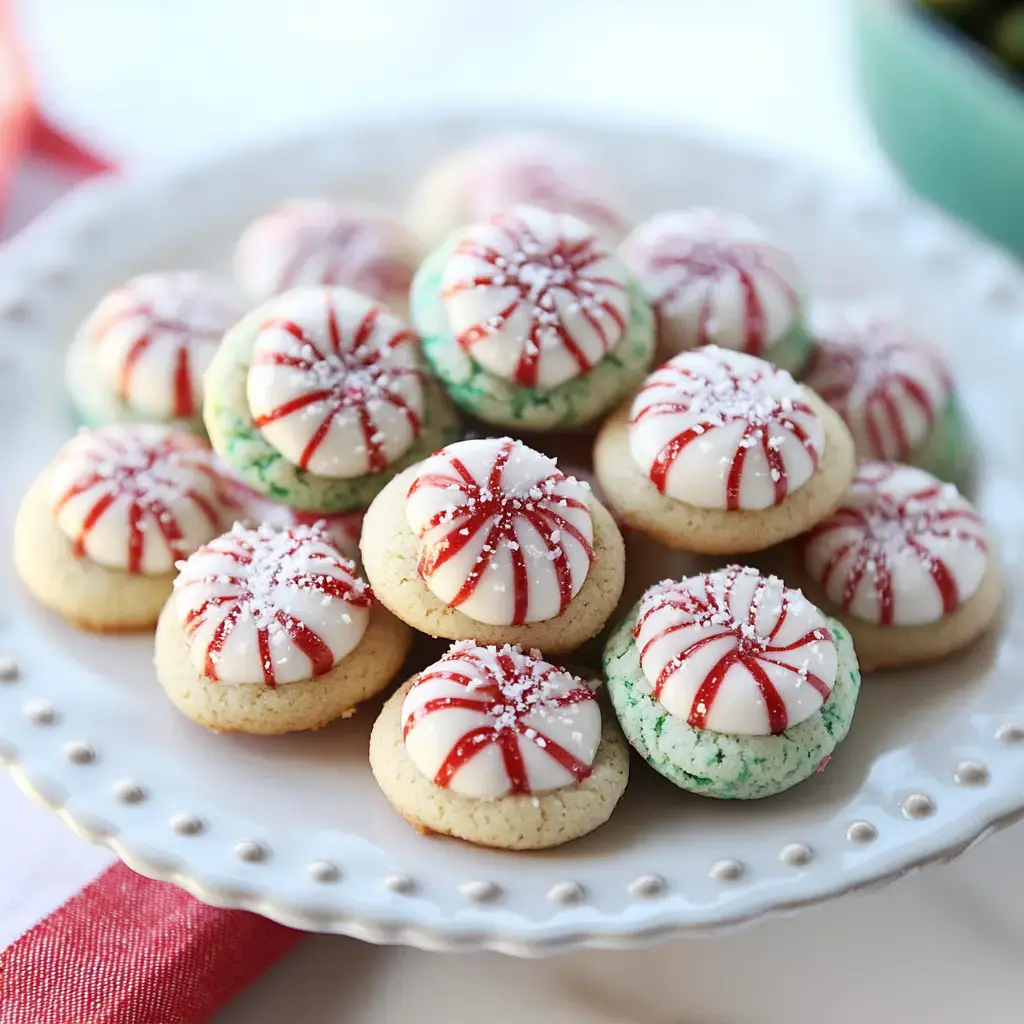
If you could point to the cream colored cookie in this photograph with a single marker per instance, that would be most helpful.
(390, 554)
(291, 707)
(521, 822)
(905, 563)
(98, 533)
(638, 504)
(87, 594)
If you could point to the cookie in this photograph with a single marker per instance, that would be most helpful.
(97, 536)
(715, 278)
(271, 631)
(510, 170)
(893, 389)
(532, 322)
(501, 748)
(304, 242)
(905, 562)
(721, 453)
(732, 685)
(317, 398)
(488, 541)
(140, 355)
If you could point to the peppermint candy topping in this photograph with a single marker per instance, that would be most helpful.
(307, 242)
(153, 338)
(535, 297)
(903, 549)
(504, 536)
(735, 652)
(886, 382)
(136, 498)
(714, 278)
(540, 171)
(335, 384)
(721, 429)
(489, 722)
(270, 606)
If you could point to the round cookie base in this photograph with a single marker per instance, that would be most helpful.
(638, 504)
(504, 403)
(790, 352)
(290, 707)
(510, 822)
(947, 450)
(87, 594)
(238, 441)
(390, 555)
(720, 765)
(881, 647)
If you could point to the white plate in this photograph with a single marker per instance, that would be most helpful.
(294, 827)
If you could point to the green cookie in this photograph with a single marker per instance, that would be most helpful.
(719, 764)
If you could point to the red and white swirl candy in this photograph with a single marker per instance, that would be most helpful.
(735, 652)
(886, 382)
(136, 497)
(721, 429)
(535, 297)
(270, 606)
(903, 549)
(503, 535)
(714, 277)
(537, 170)
(335, 384)
(325, 242)
(489, 722)
(152, 339)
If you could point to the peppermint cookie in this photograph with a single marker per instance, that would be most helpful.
(906, 564)
(721, 453)
(141, 354)
(531, 321)
(325, 242)
(316, 399)
(271, 631)
(893, 389)
(99, 532)
(715, 278)
(499, 747)
(510, 170)
(732, 685)
(487, 540)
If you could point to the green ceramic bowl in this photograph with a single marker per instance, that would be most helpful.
(949, 118)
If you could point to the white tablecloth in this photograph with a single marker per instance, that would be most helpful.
(156, 83)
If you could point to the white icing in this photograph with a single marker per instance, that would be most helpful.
(270, 606)
(887, 383)
(504, 536)
(903, 549)
(538, 170)
(153, 338)
(490, 722)
(535, 297)
(735, 652)
(307, 242)
(721, 429)
(335, 384)
(136, 497)
(714, 278)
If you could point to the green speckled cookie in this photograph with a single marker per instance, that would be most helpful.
(755, 687)
(531, 322)
(316, 399)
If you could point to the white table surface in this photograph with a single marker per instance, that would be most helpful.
(159, 82)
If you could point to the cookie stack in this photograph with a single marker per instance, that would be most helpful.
(332, 419)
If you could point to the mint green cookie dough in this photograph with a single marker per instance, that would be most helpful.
(717, 764)
(947, 450)
(507, 404)
(239, 442)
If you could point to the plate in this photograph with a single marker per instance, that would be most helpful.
(293, 827)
